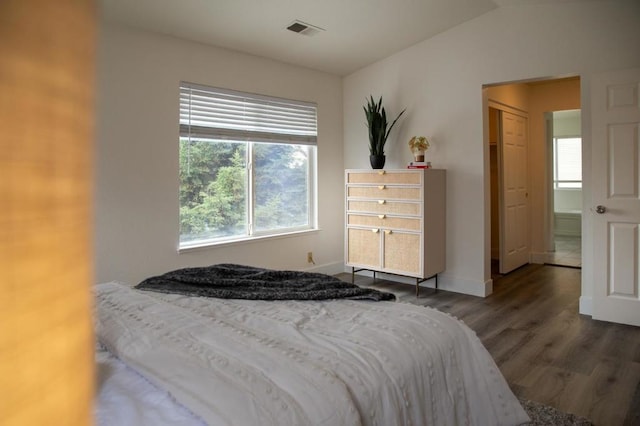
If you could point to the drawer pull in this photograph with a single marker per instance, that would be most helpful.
(381, 172)
(382, 187)
(375, 231)
(388, 231)
(382, 216)
(381, 201)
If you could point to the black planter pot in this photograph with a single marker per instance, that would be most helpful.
(377, 161)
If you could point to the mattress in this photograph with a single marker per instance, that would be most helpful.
(337, 362)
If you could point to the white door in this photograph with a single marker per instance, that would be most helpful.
(514, 214)
(615, 121)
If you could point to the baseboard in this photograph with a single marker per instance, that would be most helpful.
(586, 306)
(488, 287)
(540, 258)
(328, 268)
(464, 286)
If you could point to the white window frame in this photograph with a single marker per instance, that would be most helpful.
(292, 122)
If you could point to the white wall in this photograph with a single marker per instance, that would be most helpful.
(440, 82)
(136, 207)
(567, 123)
(567, 200)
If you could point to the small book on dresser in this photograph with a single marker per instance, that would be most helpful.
(419, 165)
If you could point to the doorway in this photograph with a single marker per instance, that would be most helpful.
(564, 142)
(538, 100)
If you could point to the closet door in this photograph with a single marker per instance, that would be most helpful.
(514, 206)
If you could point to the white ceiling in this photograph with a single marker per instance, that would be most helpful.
(357, 32)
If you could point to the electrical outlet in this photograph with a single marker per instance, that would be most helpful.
(310, 257)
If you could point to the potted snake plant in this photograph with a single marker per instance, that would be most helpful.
(379, 130)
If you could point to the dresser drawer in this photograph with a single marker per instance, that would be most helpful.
(384, 206)
(404, 177)
(384, 222)
(384, 192)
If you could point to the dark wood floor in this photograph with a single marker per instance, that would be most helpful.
(546, 350)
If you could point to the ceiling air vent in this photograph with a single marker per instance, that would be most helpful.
(304, 28)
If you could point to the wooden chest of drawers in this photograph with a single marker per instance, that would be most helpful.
(395, 221)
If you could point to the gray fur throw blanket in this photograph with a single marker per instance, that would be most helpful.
(230, 281)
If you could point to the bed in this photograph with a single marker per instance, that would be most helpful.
(225, 361)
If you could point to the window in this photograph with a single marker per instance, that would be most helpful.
(567, 163)
(247, 165)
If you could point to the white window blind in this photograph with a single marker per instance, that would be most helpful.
(568, 162)
(213, 113)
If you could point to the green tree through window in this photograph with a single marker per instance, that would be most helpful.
(281, 182)
(212, 189)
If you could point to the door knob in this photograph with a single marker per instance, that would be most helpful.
(601, 209)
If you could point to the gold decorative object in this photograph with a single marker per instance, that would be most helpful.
(418, 146)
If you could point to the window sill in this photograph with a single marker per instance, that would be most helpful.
(239, 241)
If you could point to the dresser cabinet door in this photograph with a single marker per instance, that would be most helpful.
(364, 247)
(401, 252)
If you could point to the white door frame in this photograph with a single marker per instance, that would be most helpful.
(549, 243)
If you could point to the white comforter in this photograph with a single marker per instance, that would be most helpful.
(238, 362)
(125, 398)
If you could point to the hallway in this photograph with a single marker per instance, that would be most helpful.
(568, 252)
